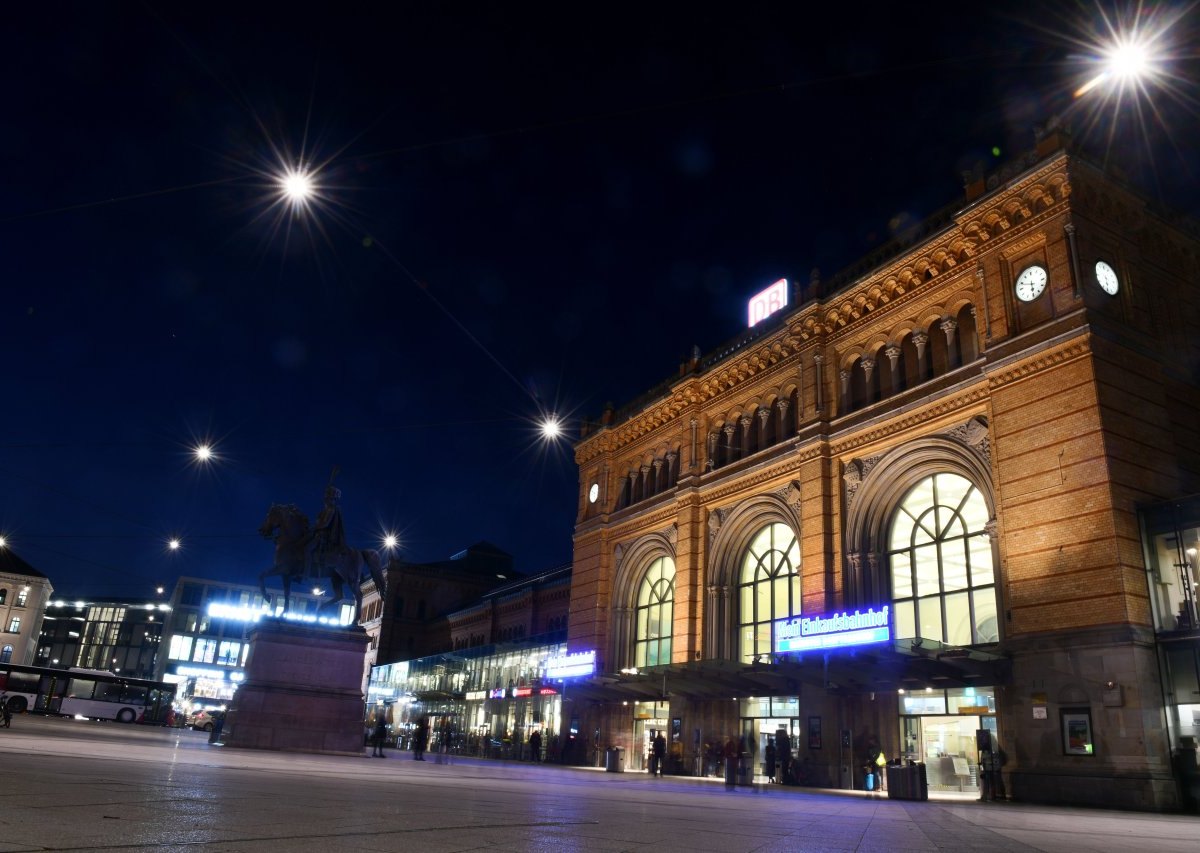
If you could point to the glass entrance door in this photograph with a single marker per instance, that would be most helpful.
(947, 746)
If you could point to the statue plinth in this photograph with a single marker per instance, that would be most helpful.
(303, 690)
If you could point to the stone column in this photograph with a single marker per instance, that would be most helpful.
(782, 407)
(845, 377)
(868, 366)
(949, 325)
(728, 442)
(712, 451)
(764, 415)
(919, 341)
(893, 353)
(818, 359)
(746, 421)
(672, 471)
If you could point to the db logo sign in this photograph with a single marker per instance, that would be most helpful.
(763, 305)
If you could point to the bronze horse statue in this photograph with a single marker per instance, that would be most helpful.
(340, 564)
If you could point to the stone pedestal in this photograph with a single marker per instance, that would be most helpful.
(303, 690)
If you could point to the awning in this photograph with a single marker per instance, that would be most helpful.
(908, 664)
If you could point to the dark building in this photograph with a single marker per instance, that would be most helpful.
(412, 623)
(121, 635)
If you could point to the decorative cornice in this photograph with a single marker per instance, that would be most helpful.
(1077, 348)
(947, 405)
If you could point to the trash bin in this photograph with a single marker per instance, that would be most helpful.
(907, 782)
(614, 759)
(745, 771)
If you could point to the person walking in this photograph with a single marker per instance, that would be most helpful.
(769, 760)
(379, 737)
(660, 754)
(420, 739)
(535, 747)
(5, 711)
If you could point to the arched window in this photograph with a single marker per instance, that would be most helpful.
(655, 614)
(6, 654)
(943, 577)
(769, 588)
(3, 595)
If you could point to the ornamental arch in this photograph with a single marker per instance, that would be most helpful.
(875, 489)
(632, 564)
(731, 532)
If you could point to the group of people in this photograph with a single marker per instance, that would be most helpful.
(420, 738)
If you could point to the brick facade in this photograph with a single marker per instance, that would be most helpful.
(1066, 412)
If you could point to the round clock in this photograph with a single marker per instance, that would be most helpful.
(594, 493)
(1031, 283)
(1106, 277)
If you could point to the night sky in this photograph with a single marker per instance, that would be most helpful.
(523, 209)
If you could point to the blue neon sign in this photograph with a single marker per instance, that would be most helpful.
(832, 631)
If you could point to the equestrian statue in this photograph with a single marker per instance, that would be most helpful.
(318, 553)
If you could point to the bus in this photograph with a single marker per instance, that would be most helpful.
(86, 693)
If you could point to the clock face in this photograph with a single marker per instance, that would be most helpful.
(1031, 283)
(1106, 277)
(594, 493)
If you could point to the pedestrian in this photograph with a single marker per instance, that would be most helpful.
(731, 761)
(379, 737)
(660, 754)
(420, 739)
(769, 760)
(5, 711)
(535, 747)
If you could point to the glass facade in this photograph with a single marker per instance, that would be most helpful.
(484, 701)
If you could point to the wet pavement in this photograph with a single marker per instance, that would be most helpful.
(75, 785)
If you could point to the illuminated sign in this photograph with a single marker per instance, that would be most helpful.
(235, 613)
(805, 633)
(476, 695)
(522, 692)
(571, 666)
(498, 693)
(547, 691)
(763, 305)
(200, 672)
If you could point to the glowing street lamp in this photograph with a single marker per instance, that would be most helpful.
(391, 541)
(174, 544)
(551, 428)
(204, 453)
(3, 542)
(297, 188)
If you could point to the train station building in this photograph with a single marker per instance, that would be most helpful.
(935, 496)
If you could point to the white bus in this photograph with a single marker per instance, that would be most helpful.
(86, 693)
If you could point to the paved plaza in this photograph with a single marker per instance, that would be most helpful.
(74, 785)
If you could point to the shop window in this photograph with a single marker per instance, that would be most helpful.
(769, 588)
(655, 614)
(943, 576)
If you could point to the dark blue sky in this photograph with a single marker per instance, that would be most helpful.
(527, 208)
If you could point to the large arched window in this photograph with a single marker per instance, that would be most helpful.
(769, 588)
(655, 614)
(6, 654)
(943, 577)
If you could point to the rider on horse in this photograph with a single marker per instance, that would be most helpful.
(328, 534)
